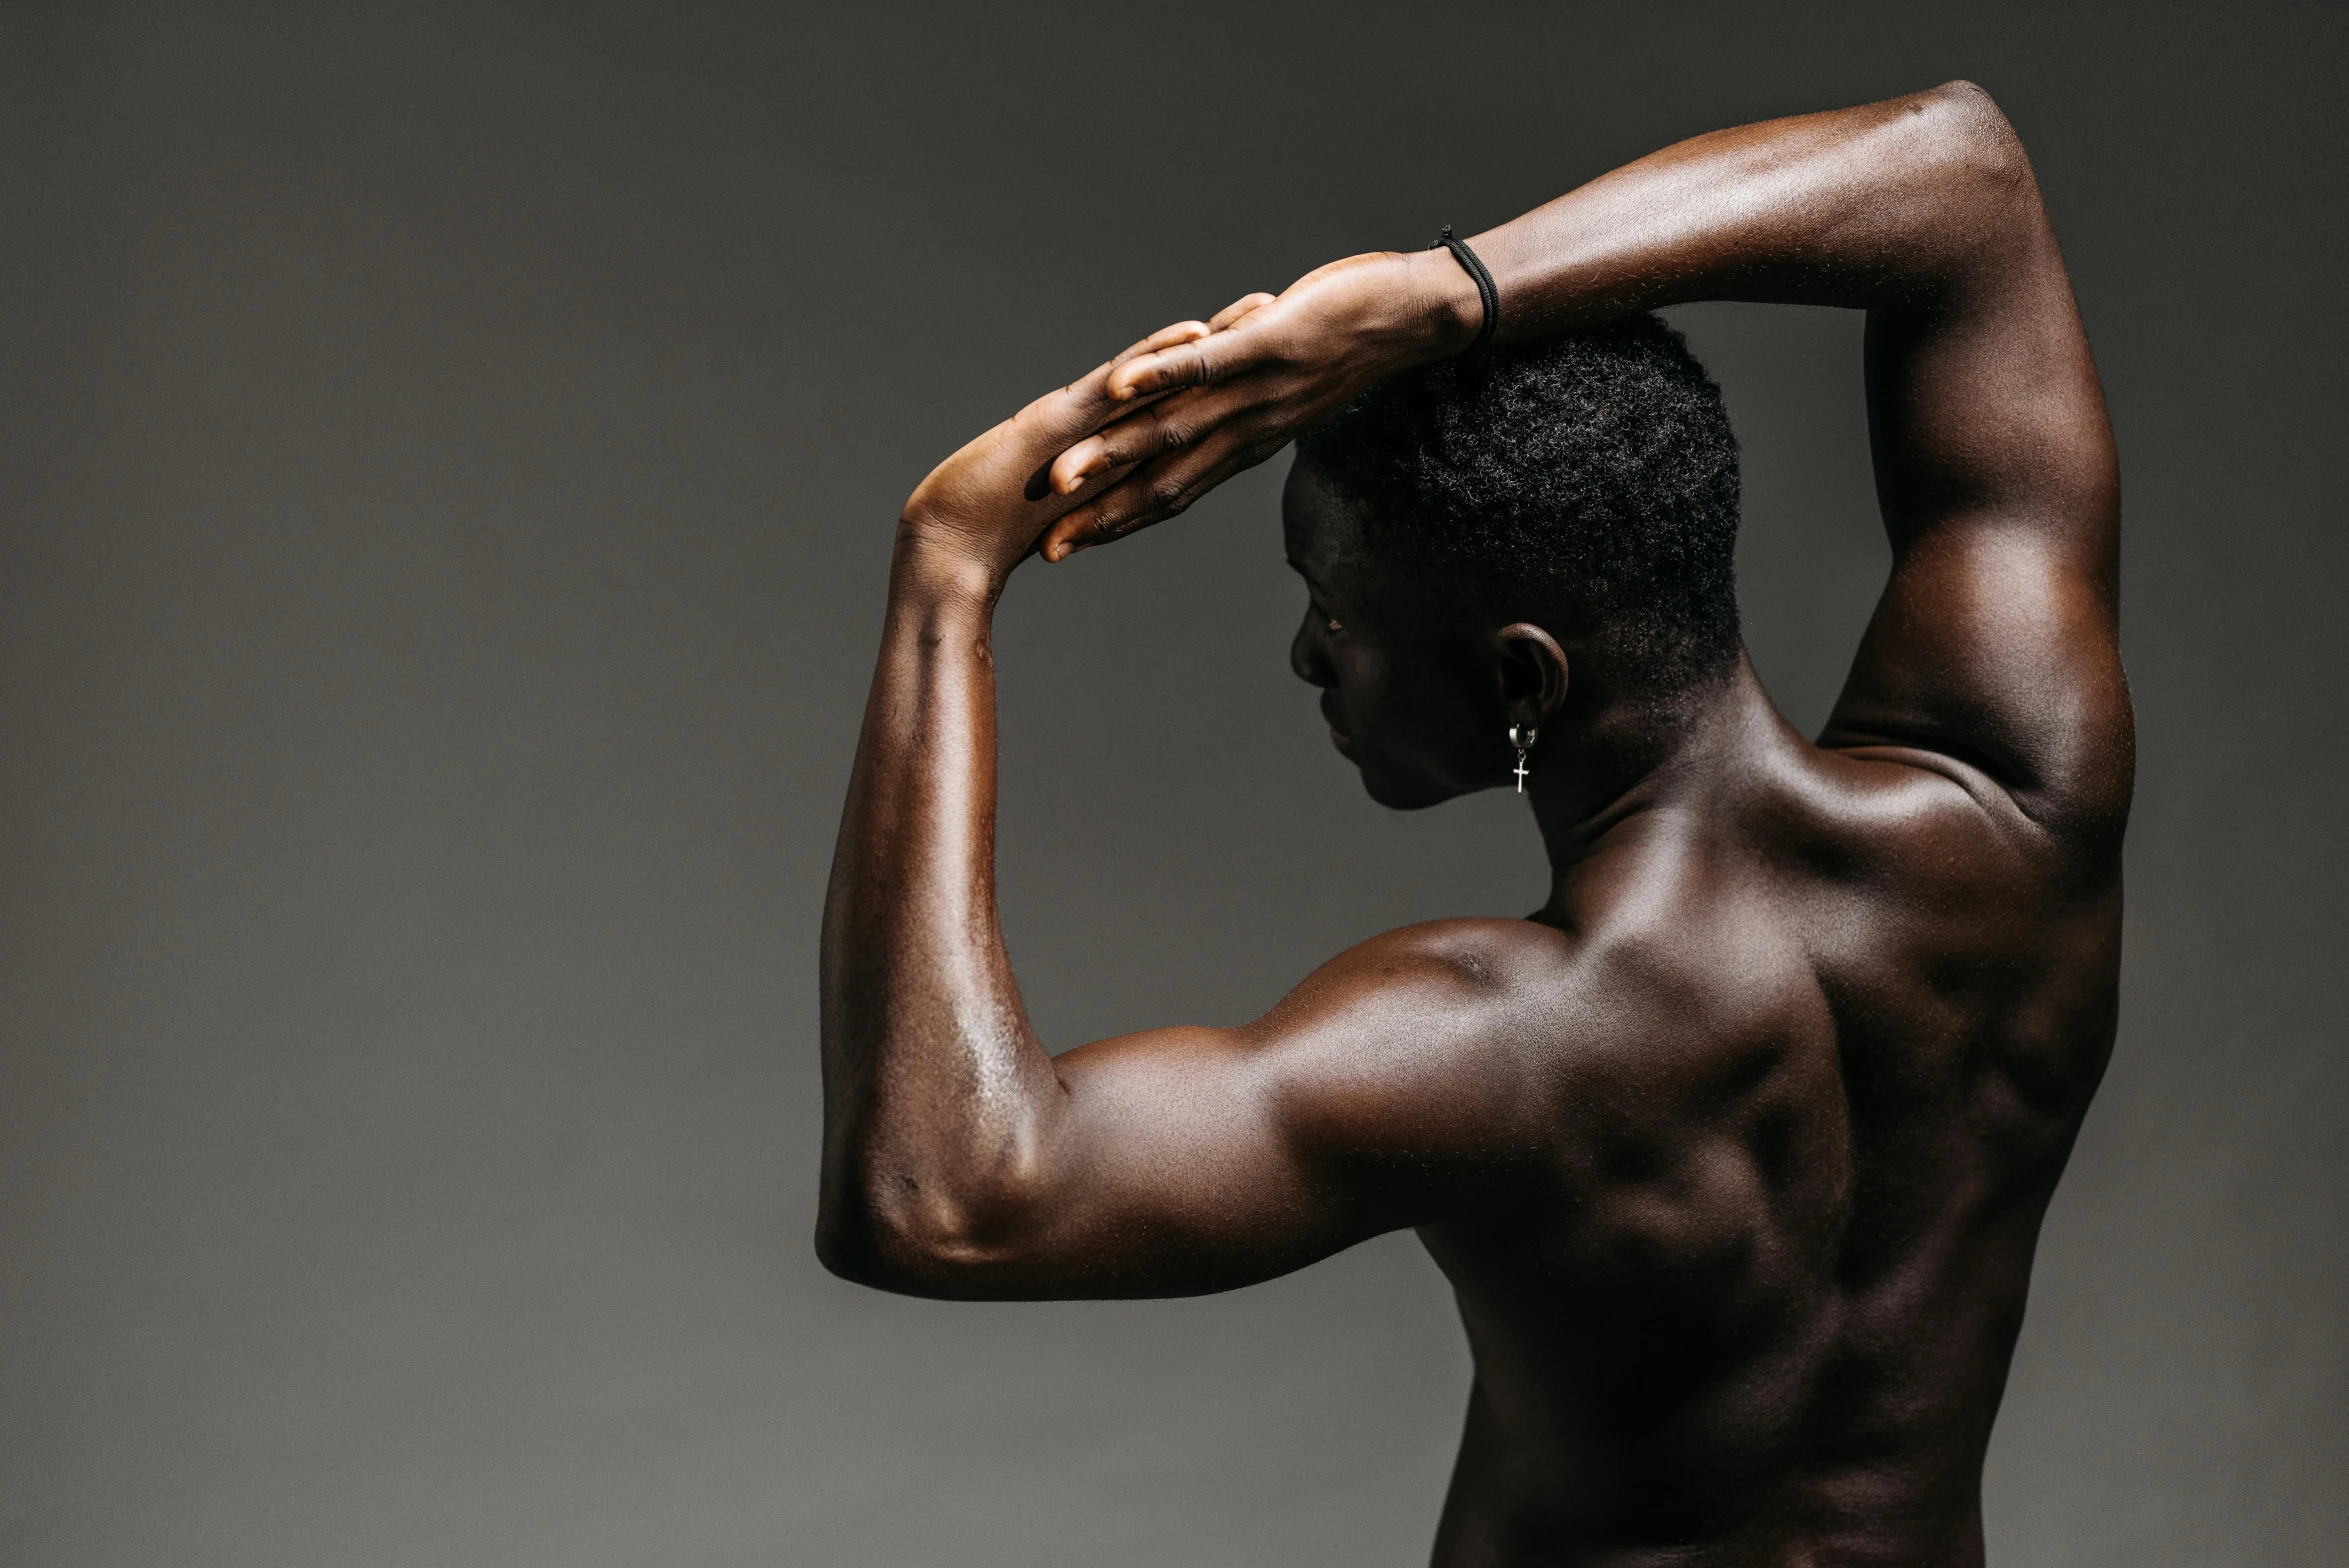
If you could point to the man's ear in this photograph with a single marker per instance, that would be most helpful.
(1534, 674)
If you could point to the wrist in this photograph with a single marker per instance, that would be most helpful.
(930, 566)
(1447, 310)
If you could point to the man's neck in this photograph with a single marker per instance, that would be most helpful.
(1618, 762)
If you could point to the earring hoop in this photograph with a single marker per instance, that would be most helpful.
(1522, 737)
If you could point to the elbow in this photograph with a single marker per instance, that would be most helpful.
(1972, 140)
(844, 1245)
(889, 1230)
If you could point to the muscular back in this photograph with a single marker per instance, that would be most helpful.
(1761, 1293)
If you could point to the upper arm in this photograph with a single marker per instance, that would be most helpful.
(1997, 638)
(1396, 1082)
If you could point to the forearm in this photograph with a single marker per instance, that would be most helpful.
(934, 1086)
(1922, 211)
(1898, 205)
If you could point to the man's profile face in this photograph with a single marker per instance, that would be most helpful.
(1411, 693)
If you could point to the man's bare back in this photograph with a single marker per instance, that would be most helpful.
(1735, 1153)
(1767, 1288)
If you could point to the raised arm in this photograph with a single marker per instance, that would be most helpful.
(1995, 647)
(959, 1157)
(1397, 1084)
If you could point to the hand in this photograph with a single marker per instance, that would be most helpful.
(983, 510)
(1266, 369)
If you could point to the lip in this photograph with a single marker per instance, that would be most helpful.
(1338, 737)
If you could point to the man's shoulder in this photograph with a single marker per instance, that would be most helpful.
(1638, 1034)
(1475, 953)
(1636, 987)
(1575, 978)
(1475, 982)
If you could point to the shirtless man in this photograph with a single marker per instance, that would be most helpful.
(1735, 1153)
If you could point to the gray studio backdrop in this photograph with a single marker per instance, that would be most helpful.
(447, 461)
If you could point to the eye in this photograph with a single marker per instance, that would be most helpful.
(1329, 622)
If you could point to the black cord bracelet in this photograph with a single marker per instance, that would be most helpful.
(1485, 289)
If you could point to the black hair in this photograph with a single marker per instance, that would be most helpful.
(1594, 475)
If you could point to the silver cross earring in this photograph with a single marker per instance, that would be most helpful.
(1522, 736)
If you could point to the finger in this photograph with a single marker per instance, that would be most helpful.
(1080, 408)
(1219, 356)
(1059, 506)
(1165, 337)
(1232, 313)
(1155, 492)
(1061, 477)
(1166, 370)
(1150, 495)
(1167, 426)
(1200, 362)
(1087, 401)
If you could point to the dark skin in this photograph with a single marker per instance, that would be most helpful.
(1736, 1152)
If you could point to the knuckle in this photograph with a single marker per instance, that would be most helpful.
(1169, 494)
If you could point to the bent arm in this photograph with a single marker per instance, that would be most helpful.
(1996, 643)
(959, 1157)
(1899, 206)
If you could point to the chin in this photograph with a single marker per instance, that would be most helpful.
(1403, 794)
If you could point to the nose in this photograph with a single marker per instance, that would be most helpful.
(1309, 653)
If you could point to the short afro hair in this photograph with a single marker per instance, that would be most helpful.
(1594, 474)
